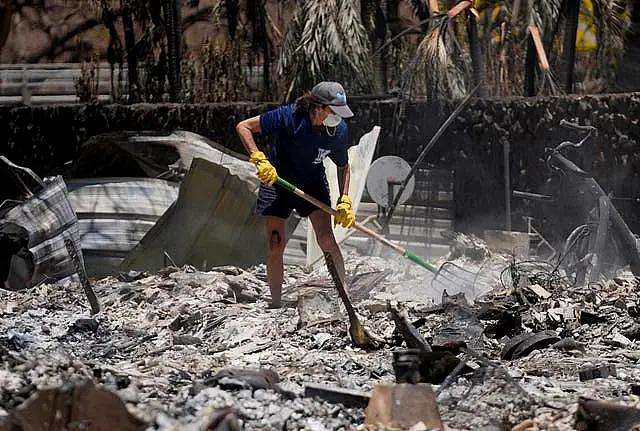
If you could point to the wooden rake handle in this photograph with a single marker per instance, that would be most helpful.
(326, 208)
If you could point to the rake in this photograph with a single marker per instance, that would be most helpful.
(448, 276)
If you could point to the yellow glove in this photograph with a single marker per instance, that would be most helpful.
(344, 214)
(266, 172)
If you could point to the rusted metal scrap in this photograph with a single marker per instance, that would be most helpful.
(403, 406)
(422, 362)
(73, 406)
(596, 415)
(593, 196)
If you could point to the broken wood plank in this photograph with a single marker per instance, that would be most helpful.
(410, 333)
(84, 281)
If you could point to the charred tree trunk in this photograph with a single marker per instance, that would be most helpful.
(477, 59)
(114, 53)
(232, 8)
(260, 41)
(393, 18)
(130, 46)
(628, 77)
(422, 12)
(173, 25)
(380, 62)
(374, 22)
(395, 27)
(568, 59)
(530, 68)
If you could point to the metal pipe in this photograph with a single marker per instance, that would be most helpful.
(600, 237)
(423, 154)
(507, 184)
(528, 195)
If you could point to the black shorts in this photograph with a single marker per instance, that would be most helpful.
(277, 201)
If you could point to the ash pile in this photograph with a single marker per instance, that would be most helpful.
(526, 348)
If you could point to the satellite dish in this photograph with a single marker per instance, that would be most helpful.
(383, 170)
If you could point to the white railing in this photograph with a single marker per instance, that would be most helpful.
(34, 84)
(50, 83)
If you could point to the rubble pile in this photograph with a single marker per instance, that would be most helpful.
(187, 349)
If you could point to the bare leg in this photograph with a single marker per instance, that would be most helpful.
(321, 222)
(274, 229)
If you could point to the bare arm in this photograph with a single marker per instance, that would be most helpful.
(344, 178)
(246, 129)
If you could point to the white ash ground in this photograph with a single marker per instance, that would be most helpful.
(160, 336)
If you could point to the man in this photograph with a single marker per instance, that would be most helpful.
(305, 133)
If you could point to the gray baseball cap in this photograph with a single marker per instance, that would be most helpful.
(332, 94)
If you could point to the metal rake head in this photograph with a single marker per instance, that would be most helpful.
(454, 278)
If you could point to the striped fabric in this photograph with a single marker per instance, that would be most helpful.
(49, 219)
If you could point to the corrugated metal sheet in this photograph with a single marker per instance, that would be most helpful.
(114, 215)
(211, 223)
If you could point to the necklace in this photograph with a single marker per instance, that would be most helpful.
(328, 130)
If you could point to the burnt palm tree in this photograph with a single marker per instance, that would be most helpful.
(160, 26)
(115, 53)
(555, 16)
(568, 59)
(628, 77)
(261, 42)
(130, 43)
(374, 16)
(233, 9)
(477, 56)
(173, 26)
(613, 26)
(325, 40)
(441, 58)
(127, 8)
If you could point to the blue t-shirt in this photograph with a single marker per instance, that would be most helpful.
(299, 149)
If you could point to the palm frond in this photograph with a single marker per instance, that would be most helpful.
(544, 14)
(613, 21)
(437, 63)
(325, 40)
(357, 51)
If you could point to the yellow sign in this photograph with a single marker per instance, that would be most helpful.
(586, 37)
